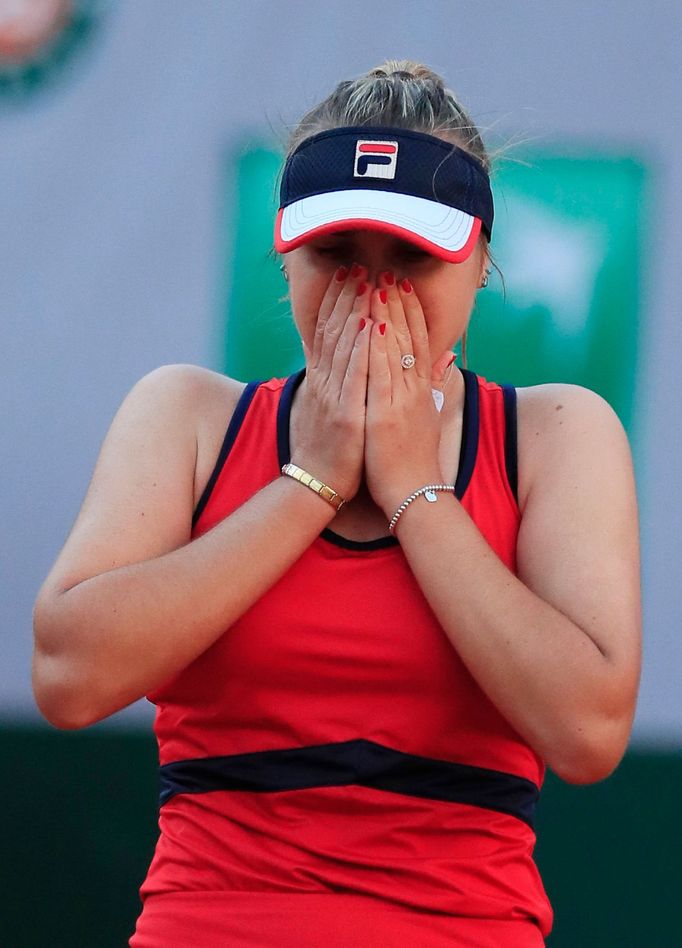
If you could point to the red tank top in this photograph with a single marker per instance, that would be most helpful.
(330, 771)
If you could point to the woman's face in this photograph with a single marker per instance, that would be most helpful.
(446, 290)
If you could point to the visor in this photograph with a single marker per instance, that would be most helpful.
(409, 184)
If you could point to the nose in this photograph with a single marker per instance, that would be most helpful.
(372, 274)
(374, 251)
(376, 265)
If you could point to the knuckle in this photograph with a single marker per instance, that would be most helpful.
(342, 423)
(331, 330)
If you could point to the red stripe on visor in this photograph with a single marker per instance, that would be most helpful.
(378, 149)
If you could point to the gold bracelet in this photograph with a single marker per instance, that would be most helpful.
(326, 493)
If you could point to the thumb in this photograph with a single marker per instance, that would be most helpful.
(440, 366)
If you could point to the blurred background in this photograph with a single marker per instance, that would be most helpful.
(139, 146)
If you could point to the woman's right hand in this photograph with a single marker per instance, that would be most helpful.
(331, 426)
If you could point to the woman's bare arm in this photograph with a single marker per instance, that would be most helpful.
(130, 601)
(556, 648)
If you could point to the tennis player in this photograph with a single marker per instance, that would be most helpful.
(373, 601)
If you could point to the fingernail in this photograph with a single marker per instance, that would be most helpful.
(406, 285)
(361, 288)
(341, 274)
(382, 328)
(388, 278)
(363, 323)
(383, 296)
(355, 270)
(451, 361)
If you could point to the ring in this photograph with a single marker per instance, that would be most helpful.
(407, 361)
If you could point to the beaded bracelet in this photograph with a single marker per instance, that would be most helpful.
(429, 491)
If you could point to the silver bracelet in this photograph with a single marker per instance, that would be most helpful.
(429, 492)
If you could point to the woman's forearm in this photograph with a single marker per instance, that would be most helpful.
(543, 672)
(114, 637)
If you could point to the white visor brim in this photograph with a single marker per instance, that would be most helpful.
(443, 230)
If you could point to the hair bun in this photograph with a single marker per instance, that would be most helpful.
(401, 93)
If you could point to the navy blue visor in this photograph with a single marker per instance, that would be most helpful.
(409, 184)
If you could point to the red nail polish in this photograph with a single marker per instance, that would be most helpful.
(383, 296)
(388, 278)
(341, 274)
(451, 361)
(406, 285)
(363, 323)
(355, 270)
(382, 328)
(361, 288)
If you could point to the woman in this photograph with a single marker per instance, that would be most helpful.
(374, 609)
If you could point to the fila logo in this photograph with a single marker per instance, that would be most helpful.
(375, 159)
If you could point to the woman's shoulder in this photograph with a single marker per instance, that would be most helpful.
(189, 396)
(177, 381)
(560, 426)
(197, 402)
(553, 405)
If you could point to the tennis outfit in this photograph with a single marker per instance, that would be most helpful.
(331, 774)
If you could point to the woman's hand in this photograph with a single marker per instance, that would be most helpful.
(402, 430)
(332, 427)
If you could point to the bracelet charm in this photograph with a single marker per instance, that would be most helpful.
(429, 492)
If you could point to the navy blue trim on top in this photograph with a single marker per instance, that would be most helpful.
(284, 414)
(235, 424)
(356, 762)
(511, 439)
(467, 454)
(470, 425)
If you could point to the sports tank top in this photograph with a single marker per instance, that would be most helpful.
(330, 771)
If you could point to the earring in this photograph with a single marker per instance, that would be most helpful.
(284, 272)
(484, 281)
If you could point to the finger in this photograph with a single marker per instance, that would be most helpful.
(440, 367)
(344, 347)
(379, 382)
(390, 346)
(416, 323)
(354, 386)
(329, 333)
(334, 290)
(396, 312)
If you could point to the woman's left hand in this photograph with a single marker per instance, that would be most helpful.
(402, 429)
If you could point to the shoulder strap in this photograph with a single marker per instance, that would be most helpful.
(468, 451)
(510, 438)
(235, 424)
